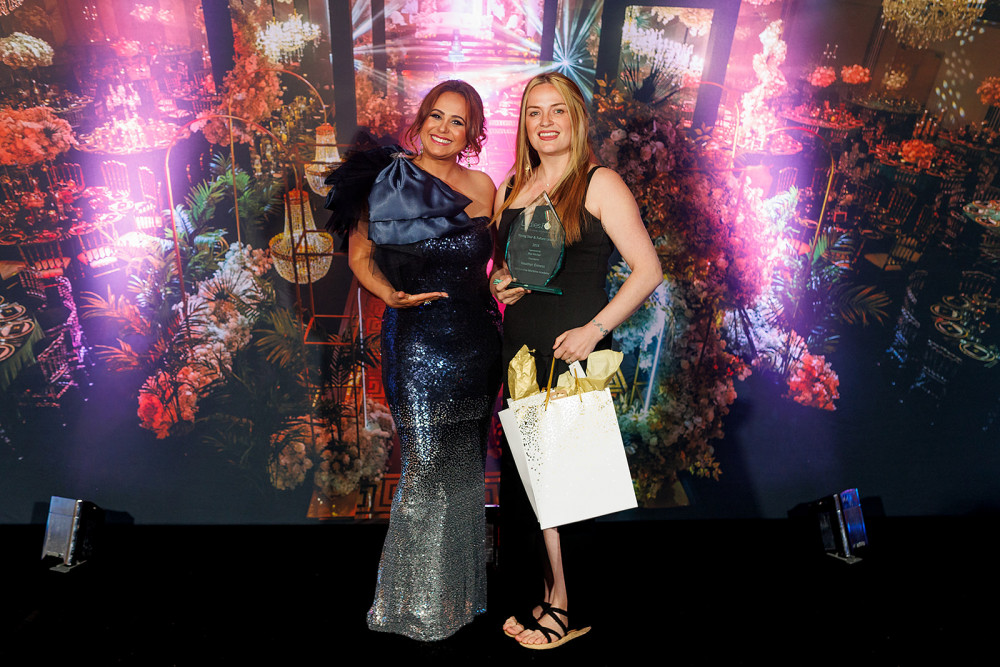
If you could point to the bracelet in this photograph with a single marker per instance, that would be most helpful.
(600, 327)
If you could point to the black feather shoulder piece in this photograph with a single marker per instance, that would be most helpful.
(351, 184)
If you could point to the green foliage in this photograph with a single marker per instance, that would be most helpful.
(814, 295)
(256, 200)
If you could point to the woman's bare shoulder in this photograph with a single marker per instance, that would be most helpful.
(480, 185)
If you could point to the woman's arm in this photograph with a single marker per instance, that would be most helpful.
(360, 259)
(610, 200)
(500, 276)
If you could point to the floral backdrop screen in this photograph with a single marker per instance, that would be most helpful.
(181, 339)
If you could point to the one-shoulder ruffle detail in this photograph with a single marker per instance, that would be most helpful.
(350, 184)
(408, 205)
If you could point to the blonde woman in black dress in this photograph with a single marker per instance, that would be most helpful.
(599, 215)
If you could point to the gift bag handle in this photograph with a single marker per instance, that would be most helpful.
(548, 388)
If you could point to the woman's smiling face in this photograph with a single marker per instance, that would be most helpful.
(547, 121)
(442, 135)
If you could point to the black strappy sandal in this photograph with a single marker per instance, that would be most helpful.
(553, 637)
(532, 624)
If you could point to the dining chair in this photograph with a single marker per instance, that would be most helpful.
(201, 105)
(938, 369)
(905, 249)
(987, 192)
(116, 176)
(989, 247)
(76, 339)
(98, 254)
(976, 282)
(901, 203)
(866, 201)
(917, 280)
(785, 179)
(904, 342)
(148, 188)
(147, 217)
(68, 172)
(45, 383)
(954, 228)
(914, 286)
(46, 259)
(819, 179)
(31, 284)
(928, 223)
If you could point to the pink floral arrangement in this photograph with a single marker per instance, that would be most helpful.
(895, 79)
(916, 151)
(125, 48)
(758, 116)
(21, 50)
(822, 76)
(376, 111)
(250, 90)
(344, 463)
(697, 21)
(292, 448)
(169, 401)
(142, 12)
(812, 382)
(148, 13)
(855, 74)
(30, 136)
(989, 90)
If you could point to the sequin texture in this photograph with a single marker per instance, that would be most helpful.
(441, 370)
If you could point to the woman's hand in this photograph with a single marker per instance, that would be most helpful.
(499, 280)
(577, 344)
(404, 300)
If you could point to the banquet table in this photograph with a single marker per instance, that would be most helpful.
(898, 116)
(922, 178)
(986, 214)
(828, 129)
(19, 331)
(965, 325)
(128, 138)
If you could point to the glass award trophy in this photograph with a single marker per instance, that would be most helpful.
(535, 247)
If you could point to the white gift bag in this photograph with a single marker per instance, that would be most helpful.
(570, 456)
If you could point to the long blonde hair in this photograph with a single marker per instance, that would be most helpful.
(570, 191)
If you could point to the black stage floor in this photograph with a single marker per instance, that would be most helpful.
(710, 592)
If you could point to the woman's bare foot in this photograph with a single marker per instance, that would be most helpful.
(546, 619)
(513, 627)
(555, 630)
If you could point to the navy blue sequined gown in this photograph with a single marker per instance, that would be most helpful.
(441, 370)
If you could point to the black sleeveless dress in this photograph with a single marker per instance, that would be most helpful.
(536, 320)
(441, 371)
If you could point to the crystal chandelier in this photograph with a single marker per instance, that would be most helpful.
(7, 6)
(310, 258)
(284, 42)
(919, 23)
(326, 158)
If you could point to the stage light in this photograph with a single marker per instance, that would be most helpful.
(840, 522)
(70, 531)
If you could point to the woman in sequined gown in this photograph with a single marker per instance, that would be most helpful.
(424, 250)
(598, 213)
